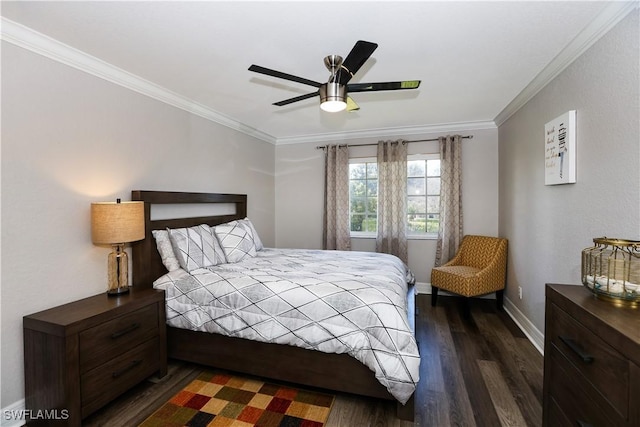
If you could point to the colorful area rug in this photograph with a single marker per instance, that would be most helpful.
(217, 400)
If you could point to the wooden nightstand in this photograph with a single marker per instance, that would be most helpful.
(81, 355)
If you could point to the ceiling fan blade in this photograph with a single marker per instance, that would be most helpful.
(351, 105)
(370, 87)
(296, 99)
(281, 75)
(361, 51)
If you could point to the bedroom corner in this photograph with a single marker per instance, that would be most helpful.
(69, 139)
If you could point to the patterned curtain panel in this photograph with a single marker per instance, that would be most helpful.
(392, 199)
(450, 232)
(335, 228)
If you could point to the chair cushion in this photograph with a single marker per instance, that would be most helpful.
(458, 271)
(458, 279)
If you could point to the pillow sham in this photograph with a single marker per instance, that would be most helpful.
(235, 240)
(163, 243)
(248, 225)
(196, 247)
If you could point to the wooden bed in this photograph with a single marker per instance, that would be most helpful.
(339, 372)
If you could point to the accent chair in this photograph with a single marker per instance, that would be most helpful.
(479, 267)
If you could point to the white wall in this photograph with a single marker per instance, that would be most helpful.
(68, 139)
(299, 193)
(548, 226)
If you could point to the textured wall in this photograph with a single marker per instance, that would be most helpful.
(548, 226)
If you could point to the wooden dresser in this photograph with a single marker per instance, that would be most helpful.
(81, 355)
(591, 360)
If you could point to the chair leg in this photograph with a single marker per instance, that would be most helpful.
(466, 307)
(434, 295)
(499, 299)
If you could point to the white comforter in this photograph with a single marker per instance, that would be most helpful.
(330, 301)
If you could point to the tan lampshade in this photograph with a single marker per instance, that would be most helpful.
(113, 223)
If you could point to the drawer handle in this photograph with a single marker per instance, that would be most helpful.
(586, 357)
(584, 424)
(131, 365)
(125, 331)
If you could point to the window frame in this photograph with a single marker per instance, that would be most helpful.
(410, 236)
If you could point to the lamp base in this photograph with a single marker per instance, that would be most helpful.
(118, 291)
(118, 271)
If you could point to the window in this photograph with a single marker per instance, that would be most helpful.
(423, 195)
(363, 195)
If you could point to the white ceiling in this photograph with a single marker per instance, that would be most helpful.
(474, 58)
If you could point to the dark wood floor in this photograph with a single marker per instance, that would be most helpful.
(476, 370)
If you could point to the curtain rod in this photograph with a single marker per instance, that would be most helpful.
(322, 147)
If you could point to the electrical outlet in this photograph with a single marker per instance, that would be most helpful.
(520, 292)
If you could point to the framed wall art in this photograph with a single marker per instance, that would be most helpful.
(560, 150)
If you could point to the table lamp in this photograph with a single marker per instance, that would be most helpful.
(116, 224)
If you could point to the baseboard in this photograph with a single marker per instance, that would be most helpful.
(528, 329)
(532, 333)
(423, 288)
(13, 415)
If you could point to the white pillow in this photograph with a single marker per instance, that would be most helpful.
(196, 247)
(235, 240)
(249, 227)
(166, 250)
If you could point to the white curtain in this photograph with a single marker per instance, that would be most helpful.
(335, 227)
(450, 232)
(392, 199)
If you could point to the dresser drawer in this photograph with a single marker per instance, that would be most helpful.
(573, 401)
(107, 381)
(555, 417)
(601, 366)
(106, 341)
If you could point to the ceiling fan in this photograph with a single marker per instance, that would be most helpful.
(334, 94)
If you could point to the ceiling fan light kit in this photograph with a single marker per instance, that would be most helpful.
(333, 97)
(334, 94)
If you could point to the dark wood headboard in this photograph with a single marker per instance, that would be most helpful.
(147, 265)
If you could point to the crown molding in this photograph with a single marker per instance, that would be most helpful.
(27, 38)
(24, 37)
(599, 26)
(46, 46)
(387, 132)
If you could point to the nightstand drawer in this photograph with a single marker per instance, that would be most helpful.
(601, 366)
(107, 381)
(106, 341)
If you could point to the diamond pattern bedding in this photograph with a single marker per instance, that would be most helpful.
(236, 241)
(330, 301)
(196, 247)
